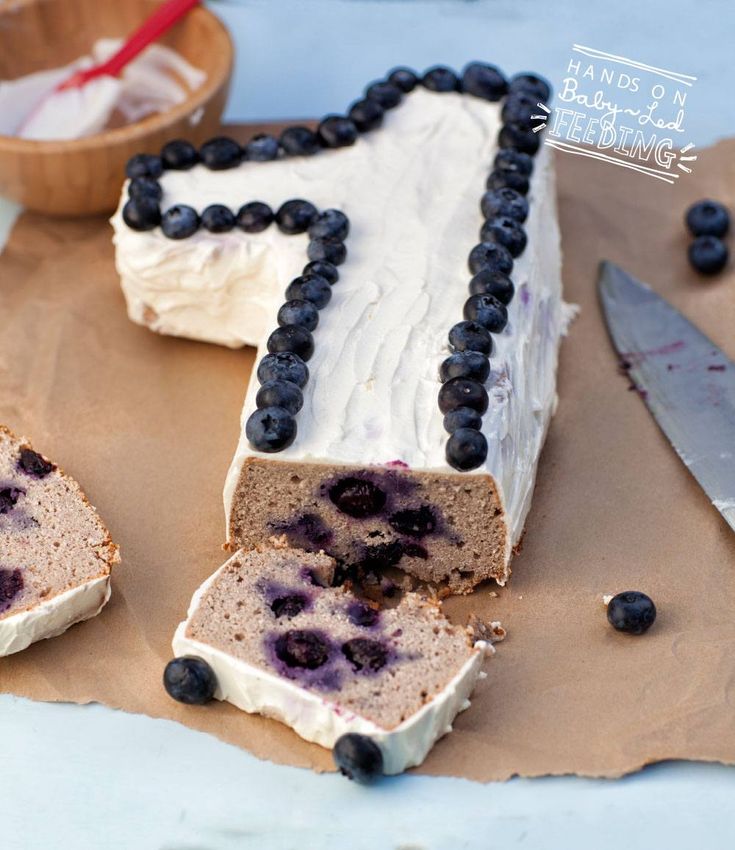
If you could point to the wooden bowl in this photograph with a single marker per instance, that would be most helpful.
(84, 176)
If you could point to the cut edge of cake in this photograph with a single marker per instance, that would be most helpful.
(320, 720)
(53, 615)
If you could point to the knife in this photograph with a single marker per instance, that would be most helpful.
(686, 381)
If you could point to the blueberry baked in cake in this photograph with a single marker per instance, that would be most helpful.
(269, 633)
(399, 270)
(55, 553)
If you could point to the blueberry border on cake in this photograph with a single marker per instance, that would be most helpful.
(283, 373)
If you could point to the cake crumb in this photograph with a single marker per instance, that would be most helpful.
(606, 597)
(492, 632)
(494, 594)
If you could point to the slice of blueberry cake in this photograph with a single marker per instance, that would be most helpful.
(399, 270)
(55, 552)
(278, 640)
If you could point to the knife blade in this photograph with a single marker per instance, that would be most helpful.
(686, 381)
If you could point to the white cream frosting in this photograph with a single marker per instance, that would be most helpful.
(411, 191)
(255, 690)
(53, 616)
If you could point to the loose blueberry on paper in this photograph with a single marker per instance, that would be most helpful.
(708, 254)
(632, 612)
(707, 218)
(190, 680)
(358, 758)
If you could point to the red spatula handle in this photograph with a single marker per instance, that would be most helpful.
(164, 17)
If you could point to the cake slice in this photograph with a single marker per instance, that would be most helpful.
(55, 552)
(282, 642)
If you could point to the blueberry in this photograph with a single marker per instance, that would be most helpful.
(145, 187)
(506, 232)
(708, 254)
(504, 202)
(519, 138)
(295, 216)
(357, 497)
(142, 214)
(518, 109)
(404, 78)
(284, 366)
(220, 153)
(190, 680)
(367, 114)
(144, 165)
(262, 148)
(533, 84)
(11, 584)
(707, 218)
(484, 81)
(302, 648)
(462, 392)
(462, 417)
(179, 222)
(469, 336)
(254, 217)
(387, 94)
(179, 155)
(218, 218)
(280, 393)
(466, 449)
(299, 312)
(509, 160)
(499, 179)
(310, 287)
(365, 654)
(270, 429)
(289, 605)
(414, 522)
(361, 614)
(331, 250)
(323, 269)
(358, 758)
(9, 498)
(330, 224)
(292, 338)
(465, 364)
(337, 131)
(632, 612)
(381, 556)
(34, 464)
(488, 282)
(307, 531)
(441, 79)
(299, 141)
(487, 311)
(490, 255)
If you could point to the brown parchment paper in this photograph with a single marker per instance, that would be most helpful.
(148, 425)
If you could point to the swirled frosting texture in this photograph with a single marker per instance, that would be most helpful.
(411, 191)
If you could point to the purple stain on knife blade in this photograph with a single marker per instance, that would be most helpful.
(716, 367)
(633, 358)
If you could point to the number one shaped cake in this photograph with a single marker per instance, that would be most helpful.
(399, 271)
